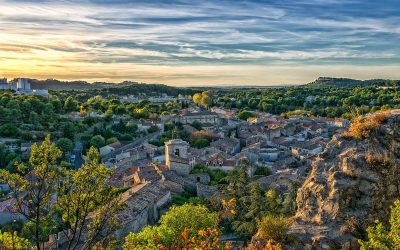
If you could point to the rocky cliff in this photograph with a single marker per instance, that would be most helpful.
(352, 183)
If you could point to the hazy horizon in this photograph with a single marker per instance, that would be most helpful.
(200, 43)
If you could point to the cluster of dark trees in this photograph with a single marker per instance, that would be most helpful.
(317, 101)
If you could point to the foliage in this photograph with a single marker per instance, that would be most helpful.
(86, 191)
(97, 141)
(11, 241)
(38, 188)
(201, 143)
(202, 99)
(8, 130)
(273, 227)
(80, 194)
(187, 219)
(244, 115)
(204, 239)
(245, 202)
(381, 238)
(182, 198)
(216, 175)
(153, 129)
(65, 144)
(363, 127)
(327, 101)
(265, 171)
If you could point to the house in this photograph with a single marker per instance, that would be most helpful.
(228, 145)
(26, 147)
(110, 148)
(201, 117)
(220, 161)
(144, 205)
(145, 174)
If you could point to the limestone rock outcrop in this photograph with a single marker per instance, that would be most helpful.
(352, 183)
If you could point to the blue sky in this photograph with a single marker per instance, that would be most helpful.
(200, 42)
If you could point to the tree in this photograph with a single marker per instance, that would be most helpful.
(65, 144)
(70, 104)
(243, 115)
(379, 238)
(34, 193)
(197, 98)
(86, 206)
(153, 129)
(68, 130)
(273, 227)
(206, 101)
(11, 241)
(201, 143)
(97, 141)
(8, 130)
(87, 194)
(186, 218)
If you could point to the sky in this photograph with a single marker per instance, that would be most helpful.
(200, 43)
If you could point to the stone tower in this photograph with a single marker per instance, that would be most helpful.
(176, 156)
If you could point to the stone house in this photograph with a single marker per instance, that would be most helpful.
(201, 117)
(228, 145)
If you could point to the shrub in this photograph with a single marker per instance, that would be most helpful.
(377, 160)
(262, 171)
(363, 127)
(381, 238)
(273, 227)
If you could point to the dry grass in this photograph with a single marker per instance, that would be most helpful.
(351, 225)
(377, 160)
(363, 127)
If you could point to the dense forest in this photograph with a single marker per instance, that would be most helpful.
(316, 101)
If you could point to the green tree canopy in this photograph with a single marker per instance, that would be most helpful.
(97, 141)
(172, 224)
(65, 144)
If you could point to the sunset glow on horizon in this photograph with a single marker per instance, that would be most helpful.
(187, 43)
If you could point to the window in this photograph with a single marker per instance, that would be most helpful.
(177, 152)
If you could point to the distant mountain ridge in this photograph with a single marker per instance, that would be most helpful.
(347, 82)
(54, 84)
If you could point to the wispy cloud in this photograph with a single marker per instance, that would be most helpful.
(139, 39)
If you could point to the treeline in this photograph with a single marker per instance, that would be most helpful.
(316, 101)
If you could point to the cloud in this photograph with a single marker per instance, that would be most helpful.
(165, 33)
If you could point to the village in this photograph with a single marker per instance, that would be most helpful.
(277, 151)
(152, 175)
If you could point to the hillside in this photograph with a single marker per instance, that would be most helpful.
(352, 183)
(347, 82)
(105, 88)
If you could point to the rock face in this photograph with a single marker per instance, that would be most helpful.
(352, 183)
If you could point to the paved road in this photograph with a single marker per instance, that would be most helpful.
(77, 151)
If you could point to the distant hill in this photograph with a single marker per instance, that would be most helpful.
(347, 82)
(54, 84)
(105, 88)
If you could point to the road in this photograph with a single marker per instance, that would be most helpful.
(77, 151)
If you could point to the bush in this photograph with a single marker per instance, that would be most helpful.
(265, 171)
(377, 160)
(363, 127)
(381, 238)
(243, 115)
(179, 218)
(8, 130)
(273, 227)
(201, 143)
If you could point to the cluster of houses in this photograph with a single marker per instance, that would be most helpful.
(154, 174)
(151, 175)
